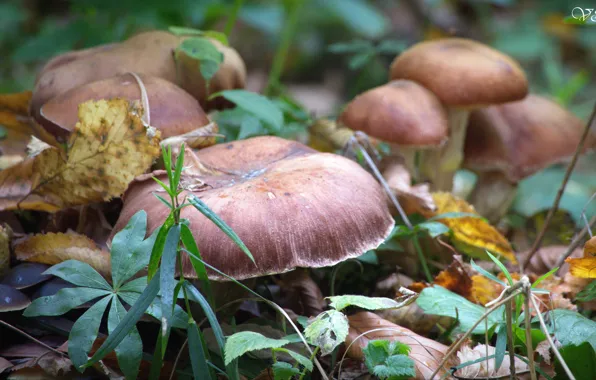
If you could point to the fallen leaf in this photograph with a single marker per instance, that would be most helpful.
(414, 318)
(54, 248)
(110, 146)
(301, 293)
(426, 353)
(484, 290)
(4, 364)
(546, 257)
(16, 102)
(5, 237)
(584, 267)
(485, 368)
(13, 147)
(470, 235)
(201, 137)
(413, 199)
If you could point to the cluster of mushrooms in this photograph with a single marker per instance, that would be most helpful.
(456, 103)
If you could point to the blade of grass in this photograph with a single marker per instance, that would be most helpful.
(190, 243)
(178, 168)
(157, 250)
(544, 277)
(485, 273)
(198, 358)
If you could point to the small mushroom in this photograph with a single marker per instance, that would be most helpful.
(402, 113)
(26, 275)
(510, 142)
(12, 299)
(171, 109)
(291, 205)
(464, 75)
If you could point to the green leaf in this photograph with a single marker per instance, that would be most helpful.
(79, 273)
(502, 268)
(168, 282)
(588, 294)
(250, 126)
(359, 15)
(302, 360)
(327, 330)
(65, 300)
(486, 274)
(284, 371)
(196, 296)
(178, 168)
(157, 250)
(361, 59)
(257, 105)
(369, 303)
(130, 351)
(573, 328)
(434, 229)
(205, 210)
(201, 49)
(128, 322)
(440, 301)
(179, 319)
(198, 354)
(245, 341)
(391, 47)
(355, 46)
(3, 132)
(501, 345)
(182, 31)
(544, 277)
(389, 360)
(580, 359)
(369, 257)
(455, 215)
(130, 249)
(191, 245)
(84, 332)
(136, 286)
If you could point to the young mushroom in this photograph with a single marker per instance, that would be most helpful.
(291, 205)
(510, 142)
(464, 75)
(401, 113)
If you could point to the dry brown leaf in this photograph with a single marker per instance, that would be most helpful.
(413, 199)
(301, 294)
(199, 138)
(426, 353)
(5, 237)
(110, 146)
(486, 368)
(54, 248)
(470, 235)
(16, 102)
(584, 267)
(414, 318)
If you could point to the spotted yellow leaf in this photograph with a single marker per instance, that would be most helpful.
(108, 148)
(470, 235)
(584, 267)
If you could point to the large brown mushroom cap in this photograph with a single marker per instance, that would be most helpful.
(291, 206)
(462, 72)
(521, 138)
(172, 110)
(400, 112)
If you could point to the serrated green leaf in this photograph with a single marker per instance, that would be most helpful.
(302, 360)
(245, 341)
(327, 330)
(84, 332)
(79, 273)
(257, 105)
(204, 52)
(369, 303)
(588, 293)
(284, 371)
(434, 229)
(440, 301)
(389, 360)
(63, 301)
(130, 351)
(198, 354)
(130, 250)
(397, 367)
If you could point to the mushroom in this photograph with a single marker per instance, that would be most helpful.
(171, 109)
(402, 113)
(26, 275)
(464, 75)
(12, 299)
(510, 142)
(291, 205)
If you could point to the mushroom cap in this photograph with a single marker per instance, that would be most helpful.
(521, 138)
(291, 205)
(400, 112)
(172, 110)
(25, 275)
(462, 72)
(12, 299)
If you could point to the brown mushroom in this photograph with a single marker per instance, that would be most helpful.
(510, 142)
(402, 113)
(464, 75)
(291, 206)
(12, 299)
(171, 109)
(25, 275)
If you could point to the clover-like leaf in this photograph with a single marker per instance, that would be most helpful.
(79, 273)
(63, 301)
(130, 351)
(84, 332)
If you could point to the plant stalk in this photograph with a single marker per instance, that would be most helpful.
(509, 317)
(231, 21)
(529, 345)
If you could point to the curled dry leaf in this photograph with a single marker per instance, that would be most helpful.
(301, 293)
(54, 248)
(413, 199)
(110, 146)
(584, 267)
(426, 353)
(471, 235)
(201, 137)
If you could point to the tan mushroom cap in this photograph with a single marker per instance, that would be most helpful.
(462, 72)
(291, 206)
(523, 137)
(400, 112)
(172, 110)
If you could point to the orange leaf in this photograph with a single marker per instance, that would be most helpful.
(17, 102)
(584, 267)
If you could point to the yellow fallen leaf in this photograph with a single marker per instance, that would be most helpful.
(484, 290)
(473, 236)
(54, 248)
(584, 267)
(109, 147)
(5, 237)
(17, 102)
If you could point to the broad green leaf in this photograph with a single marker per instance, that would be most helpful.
(257, 105)
(191, 245)
(84, 332)
(245, 341)
(396, 367)
(580, 359)
(168, 282)
(80, 274)
(128, 322)
(205, 210)
(434, 229)
(130, 250)
(572, 328)
(440, 301)
(302, 360)
(130, 351)
(327, 330)
(250, 126)
(284, 371)
(182, 31)
(198, 354)
(204, 52)
(179, 319)
(136, 286)
(369, 303)
(588, 294)
(157, 250)
(360, 16)
(63, 301)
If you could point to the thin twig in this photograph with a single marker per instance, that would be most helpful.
(575, 243)
(32, 338)
(555, 207)
(528, 327)
(177, 359)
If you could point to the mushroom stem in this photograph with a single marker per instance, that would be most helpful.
(439, 166)
(493, 195)
(409, 156)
